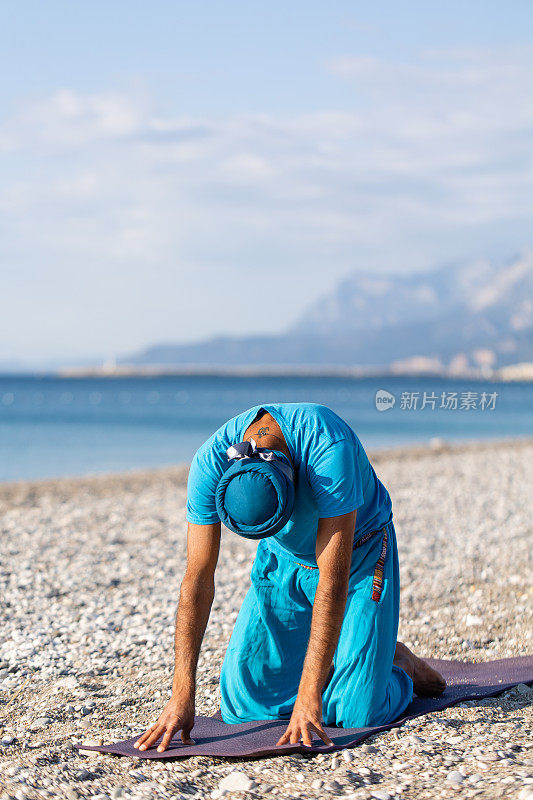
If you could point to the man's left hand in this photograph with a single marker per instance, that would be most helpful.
(306, 718)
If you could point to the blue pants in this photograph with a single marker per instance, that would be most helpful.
(263, 663)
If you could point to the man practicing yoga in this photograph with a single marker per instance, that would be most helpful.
(315, 638)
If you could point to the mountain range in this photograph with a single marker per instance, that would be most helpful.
(470, 314)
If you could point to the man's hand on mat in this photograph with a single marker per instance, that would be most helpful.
(177, 716)
(305, 719)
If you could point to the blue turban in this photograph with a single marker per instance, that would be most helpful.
(255, 496)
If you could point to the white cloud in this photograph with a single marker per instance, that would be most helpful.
(434, 155)
(67, 119)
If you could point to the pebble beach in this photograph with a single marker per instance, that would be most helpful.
(89, 580)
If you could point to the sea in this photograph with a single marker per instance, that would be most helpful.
(57, 426)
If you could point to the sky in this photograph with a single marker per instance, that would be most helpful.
(171, 171)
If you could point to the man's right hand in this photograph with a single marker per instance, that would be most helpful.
(177, 716)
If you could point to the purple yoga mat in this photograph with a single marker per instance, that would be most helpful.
(466, 681)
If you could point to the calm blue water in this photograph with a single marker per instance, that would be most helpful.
(59, 426)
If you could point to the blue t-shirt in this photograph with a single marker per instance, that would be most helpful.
(333, 475)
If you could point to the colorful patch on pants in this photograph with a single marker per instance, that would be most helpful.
(377, 580)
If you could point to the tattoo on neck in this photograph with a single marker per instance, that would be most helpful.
(263, 431)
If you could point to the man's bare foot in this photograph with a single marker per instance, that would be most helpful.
(427, 682)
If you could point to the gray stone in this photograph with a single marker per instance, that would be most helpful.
(40, 723)
(138, 776)
(236, 781)
(90, 743)
(488, 757)
(380, 794)
(455, 777)
(472, 620)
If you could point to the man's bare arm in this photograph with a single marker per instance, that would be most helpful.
(334, 553)
(196, 597)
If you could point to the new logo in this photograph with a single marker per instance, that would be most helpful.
(384, 400)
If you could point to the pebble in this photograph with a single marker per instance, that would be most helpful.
(7, 740)
(455, 777)
(317, 783)
(36, 745)
(137, 775)
(347, 756)
(488, 757)
(334, 762)
(117, 792)
(398, 766)
(380, 794)
(236, 781)
(91, 743)
(40, 723)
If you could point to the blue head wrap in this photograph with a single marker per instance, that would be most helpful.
(255, 496)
